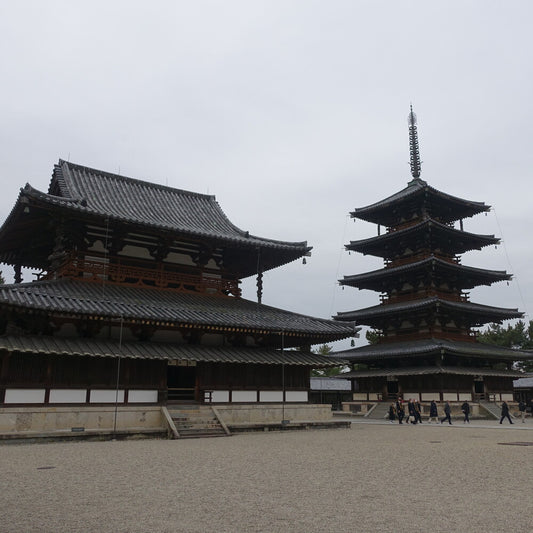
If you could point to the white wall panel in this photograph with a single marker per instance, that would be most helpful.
(24, 396)
(142, 396)
(68, 395)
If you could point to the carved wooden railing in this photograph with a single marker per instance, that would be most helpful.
(419, 257)
(430, 293)
(159, 278)
(445, 335)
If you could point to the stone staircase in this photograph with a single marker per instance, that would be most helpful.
(492, 409)
(379, 412)
(194, 421)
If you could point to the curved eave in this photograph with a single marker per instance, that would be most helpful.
(425, 347)
(429, 370)
(167, 308)
(468, 277)
(384, 211)
(20, 226)
(475, 314)
(386, 245)
(82, 347)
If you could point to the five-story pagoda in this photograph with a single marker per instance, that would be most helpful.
(427, 346)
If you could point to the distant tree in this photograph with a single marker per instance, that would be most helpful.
(517, 337)
(373, 336)
(329, 371)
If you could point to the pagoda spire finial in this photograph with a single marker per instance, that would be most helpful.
(413, 146)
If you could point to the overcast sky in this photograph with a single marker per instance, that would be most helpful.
(292, 113)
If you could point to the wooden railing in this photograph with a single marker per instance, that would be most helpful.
(160, 278)
(432, 293)
(445, 335)
(419, 257)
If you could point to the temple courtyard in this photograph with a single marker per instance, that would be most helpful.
(372, 477)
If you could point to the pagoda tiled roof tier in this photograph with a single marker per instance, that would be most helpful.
(45, 345)
(167, 308)
(465, 277)
(469, 313)
(418, 194)
(431, 346)
(428, 370)
(100, 198)
(428, 234)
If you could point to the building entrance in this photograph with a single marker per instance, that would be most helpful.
(181, 382)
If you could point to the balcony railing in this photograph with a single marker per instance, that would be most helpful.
(114, 272)
(430, 293)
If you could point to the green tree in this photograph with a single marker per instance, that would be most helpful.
(517, 337)
(329, 371)
(373, 336)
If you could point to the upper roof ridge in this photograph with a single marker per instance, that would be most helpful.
(83, 168)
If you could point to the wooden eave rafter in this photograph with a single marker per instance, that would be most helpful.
(428, 234)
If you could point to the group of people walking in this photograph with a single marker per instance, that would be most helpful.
(412, 412)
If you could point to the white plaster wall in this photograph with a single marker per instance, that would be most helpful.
(106, 396)
(361, 396)
(428, 396)
(220, 396)
(142, 396)
(449, 396)
(244, 396)
(296, 396)
(68, 395)
(24, 396)
(270, 396)
(507, 397)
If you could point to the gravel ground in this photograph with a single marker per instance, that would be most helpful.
(372, 477)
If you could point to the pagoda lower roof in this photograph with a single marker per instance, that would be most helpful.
(445, 207)
(43, 345)
(425, 347)
(446, 238)
(165, 307)
(428, 370)
(476, 314)
(466, 277)
(101, 198)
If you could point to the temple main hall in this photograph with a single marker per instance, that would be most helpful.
(136, 302)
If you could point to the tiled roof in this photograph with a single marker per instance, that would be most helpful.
(456, 240)
(470, 276)
(478, 313)
(423, 347)
(384, 210)
(100, 198)
(331, 384)
(41, 345)
(523, 383)
(135, 201)
(92, 299)
(425, 370)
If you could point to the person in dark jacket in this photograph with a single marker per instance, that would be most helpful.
(412, 411)
(392, 413)
(505, 413)
(522, 409)
(447, 414)
(466, 410)
(399, 411)
(418, 412)
(433, 413)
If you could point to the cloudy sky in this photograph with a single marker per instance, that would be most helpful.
(291, 112)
